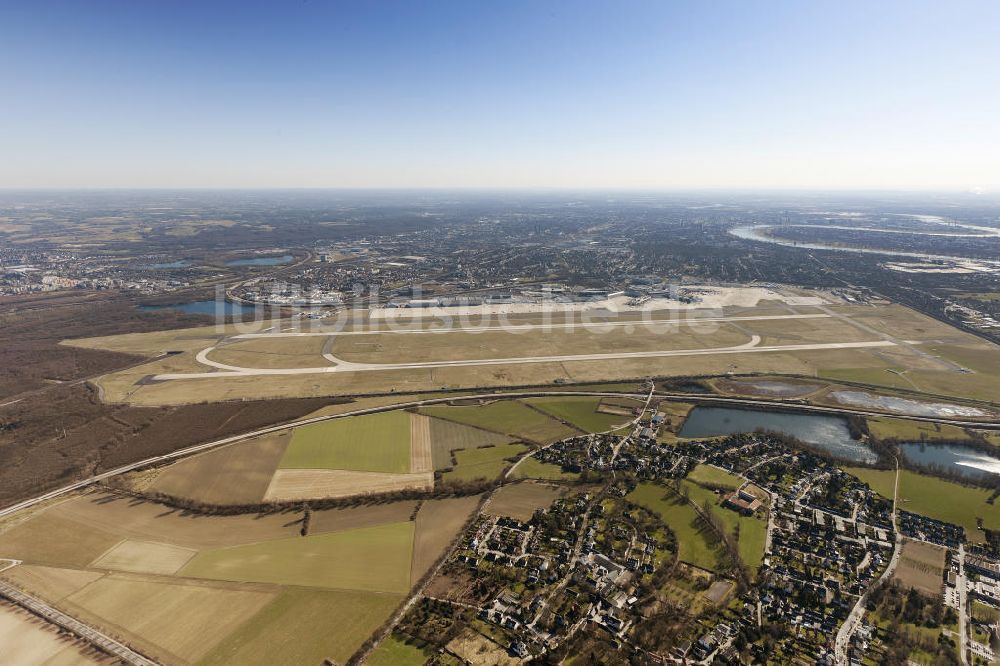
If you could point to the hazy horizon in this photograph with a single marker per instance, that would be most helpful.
(591, 96)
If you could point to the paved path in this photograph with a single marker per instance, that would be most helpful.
(74, 626)
(857, 613)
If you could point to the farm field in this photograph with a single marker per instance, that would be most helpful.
(714, 477)
(447, 436)
(144, 557)
(306, 626)
(215, 589)
(180, 621)
(303, 484)
(369, 559)
(509, 417)
(521, 500)
(343, 457)
(51, 583)
(922, 494)
(437, 523)
(921, 566)
(52, 539)
(581, 412)
(483, 463)
(337, 458)
(370, 443)
(236, 474)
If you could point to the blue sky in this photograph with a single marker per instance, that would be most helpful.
(662, 95)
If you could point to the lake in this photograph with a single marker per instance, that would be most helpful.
(966, 461)
(261, 261)
(828, 433)
(211, 307)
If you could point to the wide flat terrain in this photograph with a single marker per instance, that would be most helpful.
(226, 589)
(370, 559)
(881, 344)
(238, 474)
(371, 443)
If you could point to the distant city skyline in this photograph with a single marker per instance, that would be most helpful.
(893, 95)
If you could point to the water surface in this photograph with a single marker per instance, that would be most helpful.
(828, 433)
(966, 461)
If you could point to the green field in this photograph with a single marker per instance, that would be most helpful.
(509, 417)
(914, 431)
(485, 463)
(695, 545)
(447, 437)
(306, 626)
(985, 613)
(371, 443)
(394, 652)
(372, 559)
(875, 376)
(935, 498)
(533, 469)
(713, 476)
(581, 412)
(753, 530)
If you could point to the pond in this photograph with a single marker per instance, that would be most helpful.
(828, 433)
(904, 405)
(261, 261)
(211, 307)
(965, 461)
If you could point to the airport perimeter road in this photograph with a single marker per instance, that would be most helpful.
(74, 626)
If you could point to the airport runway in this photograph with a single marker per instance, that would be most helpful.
(391, 329)
(346, 366)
